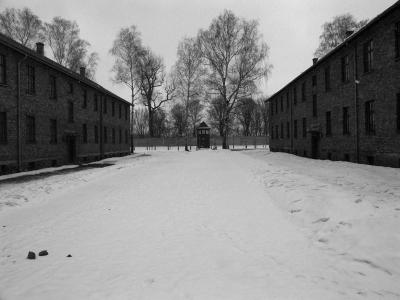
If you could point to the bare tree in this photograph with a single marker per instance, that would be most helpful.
(21, 25)
(245, 112)
(127, 47)
(188, 74)
(67, 47)
(235, 57)
(140, 122)
(178, 116)
(216, 114)
(195, 114)
(155, 89)
(335, 32)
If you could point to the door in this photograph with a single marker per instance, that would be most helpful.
(315, 145)
(71, 148)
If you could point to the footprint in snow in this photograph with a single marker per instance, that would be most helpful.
(293, 211)
(321, 220)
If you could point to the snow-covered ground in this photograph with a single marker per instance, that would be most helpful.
(203, 225)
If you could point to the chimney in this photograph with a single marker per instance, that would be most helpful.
(82, 71)
(314, 60)
(349, 33)
(40, 48)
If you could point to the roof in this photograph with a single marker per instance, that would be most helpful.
(343, 44)
(203, 125)
(44, 60)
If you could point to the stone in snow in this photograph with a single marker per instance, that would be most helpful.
(31, 255)
(43, 253)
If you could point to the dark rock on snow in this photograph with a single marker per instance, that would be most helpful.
(43, 253)
(31, 255)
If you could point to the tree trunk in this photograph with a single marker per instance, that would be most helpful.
(151, 121)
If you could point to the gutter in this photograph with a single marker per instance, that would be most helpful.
(19, 142)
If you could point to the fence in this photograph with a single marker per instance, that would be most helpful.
(178, 143)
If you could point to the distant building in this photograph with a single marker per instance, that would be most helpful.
(51, 116)
(346, 106)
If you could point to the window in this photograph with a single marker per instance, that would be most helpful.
(295, 129)
(287, 130)
(327, 78)
(126, 112)
(105, 105)
(53, 131)
(105, 134)
(84, 96)
(31, 80)
(397, 40)
(303, 92)
(281, 130)
(126, 136)
(314, 81)
(398, 112)
(95, 103)
(277, 131)
(276, 106)
(369, 117)
(271, 108)
(120, 136)
(96, 134)
(346, 121)
(3, 69)
(281, 103)
(314, 106)
(113, 108)
(345, 69)
(3, 128)
(84, 134)
(304, 127)
(113, 135)
(70, 88)
(368, 56)
(328, 124)
(295, 96)
(120, 110)
(70, 112)
(30, 130)
(52, 87)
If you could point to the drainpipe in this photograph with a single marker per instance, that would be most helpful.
(19, 142)
(356, 104)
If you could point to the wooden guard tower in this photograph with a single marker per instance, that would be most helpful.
(203, 136)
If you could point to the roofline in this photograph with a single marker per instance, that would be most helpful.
(47, 61)
(340, 46)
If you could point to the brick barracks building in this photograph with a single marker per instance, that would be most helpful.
(346, 106)
(51, 116)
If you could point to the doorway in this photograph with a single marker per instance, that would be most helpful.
(71, 148)
(315, 145)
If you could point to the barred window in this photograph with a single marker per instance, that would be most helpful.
(368, 56)
(105, 105)
(328, 124)
(53, 131)
(126, 136)
(3, 127)
(2, 69)
(304, 127)
(70, 112)
(95, 103)
(314, 106)
(126, 112)
(113, 108)
(346, 121)
(30, 130)
(281, 103)
(31, 80)
(53, 87)
(327, 78)
(370, 117)
(113, 135)
(295, 96)
(120, 136)
(96, 134)
(345, 69)
(120, 110)
(398, 112)
(295, 129)
(84, 134)
(397, 40)
(105, 137)
(287, 130)
(303, 92)
(84, 96)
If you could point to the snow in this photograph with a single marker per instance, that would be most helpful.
(202, 225)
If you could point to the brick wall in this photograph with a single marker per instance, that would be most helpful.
(381, 85)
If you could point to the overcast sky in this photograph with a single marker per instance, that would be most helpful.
(291, 28)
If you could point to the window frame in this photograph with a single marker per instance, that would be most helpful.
(328, 123)
(53, 131)
(30, 135)
(52, 87)
(31, 79)
(368, 56)
(70, 112)
(327, 73)
(304, 124)
(346, 120)
(314, 106)
(3, 69)
(370, 117)
(3, 128)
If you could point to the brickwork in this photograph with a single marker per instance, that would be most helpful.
(381, 84)
(70, 92)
